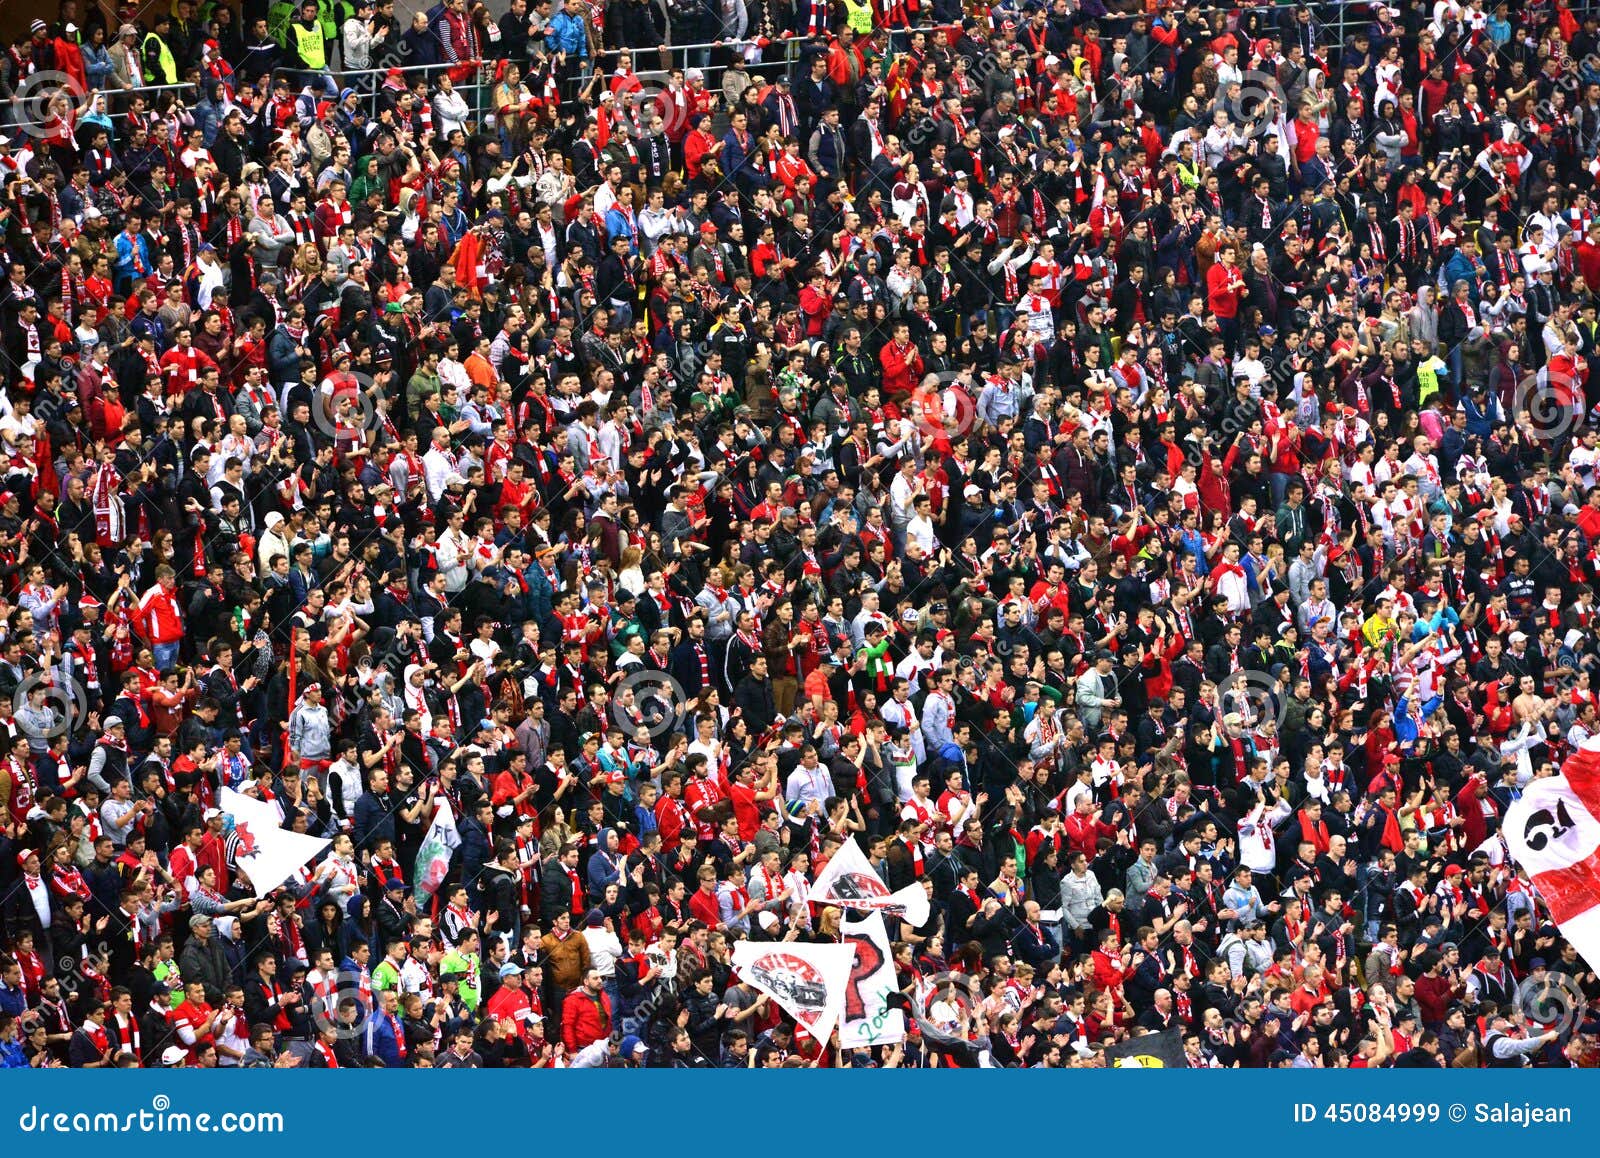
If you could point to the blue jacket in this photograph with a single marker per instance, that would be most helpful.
(617, 226)
(1459, 268)
(129, 248)
(476, 850)
(541, 602)
(371, 821)
(1479, 423)
(1405, 728)
(566, 33)
(601, 871)
(381, 1042)
(283, 357)
(97, 65)
(736, 157)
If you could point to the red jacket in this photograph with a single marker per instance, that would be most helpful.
(1434, 995)
(1223, 284)
(160, 616)
(1082, 832)
(1471, 810)
(902, 369)
(585, 1018)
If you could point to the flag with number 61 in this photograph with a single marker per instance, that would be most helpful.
(1553, 833)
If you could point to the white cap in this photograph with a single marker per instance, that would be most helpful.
(174, 1055)
(693, 74)
(972, 492)
(1517, 637)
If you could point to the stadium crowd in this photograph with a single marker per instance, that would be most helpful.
(1129, 468)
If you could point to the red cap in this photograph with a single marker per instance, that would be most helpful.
(616, 778)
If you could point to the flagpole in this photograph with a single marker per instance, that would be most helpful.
(289, 708)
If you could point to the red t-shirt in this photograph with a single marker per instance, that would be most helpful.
(197, 1018)
(704, 906)
(744, 810)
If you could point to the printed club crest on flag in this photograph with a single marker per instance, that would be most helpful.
(848, 880)
(1553, 834)
(807, 981)
(433, 858)
(268, 853)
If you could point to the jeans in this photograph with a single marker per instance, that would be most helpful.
(166, 655)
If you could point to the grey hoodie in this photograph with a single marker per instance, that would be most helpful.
(310, 733)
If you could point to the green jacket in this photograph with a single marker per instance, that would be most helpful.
(385, 977)
(158, 61)
(471, 988)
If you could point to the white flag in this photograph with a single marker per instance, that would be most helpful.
(433, 858)
(807, 981)
(848, 880)
(868, 1020)
(1553, 833)
(269, 853)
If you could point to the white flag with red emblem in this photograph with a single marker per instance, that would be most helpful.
(807, 981)
(1553, 833)
(849, 880)
(868, 1020)
(268, 853)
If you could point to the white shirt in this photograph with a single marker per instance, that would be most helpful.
(604, 949)
(437, 465)
(920, 530)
